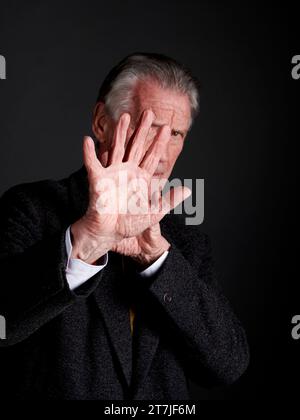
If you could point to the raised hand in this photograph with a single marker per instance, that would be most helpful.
(112, 215)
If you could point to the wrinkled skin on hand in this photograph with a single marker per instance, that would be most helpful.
(113, 221)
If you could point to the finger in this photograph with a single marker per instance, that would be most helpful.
(169, 201)
(90, 159)
(155, 151)
(174, 197)
(136, 148)
(119, 139)
(156, 202)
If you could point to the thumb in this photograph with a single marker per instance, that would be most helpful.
(170, 200)
(174, 197)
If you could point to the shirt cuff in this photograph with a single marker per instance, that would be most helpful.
(78, 271)
(153, 268)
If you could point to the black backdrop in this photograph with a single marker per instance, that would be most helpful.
(57, 55)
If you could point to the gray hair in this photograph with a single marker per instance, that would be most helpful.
(117, 89)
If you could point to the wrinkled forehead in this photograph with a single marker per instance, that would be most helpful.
(169, 107)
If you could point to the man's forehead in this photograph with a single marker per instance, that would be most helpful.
(168, 107)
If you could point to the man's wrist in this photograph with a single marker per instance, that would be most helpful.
(144, 260)
(87, 247)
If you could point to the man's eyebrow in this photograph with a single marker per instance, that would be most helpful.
(156, 124)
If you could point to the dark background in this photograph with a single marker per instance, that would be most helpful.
(57, 56)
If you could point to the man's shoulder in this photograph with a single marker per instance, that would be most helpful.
(50, 193)
(36, 190)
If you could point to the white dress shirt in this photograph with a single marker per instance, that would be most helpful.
(79, 272)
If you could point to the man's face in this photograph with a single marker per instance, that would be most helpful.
(169, 108)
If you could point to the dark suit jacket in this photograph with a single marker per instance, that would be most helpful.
(78, 345)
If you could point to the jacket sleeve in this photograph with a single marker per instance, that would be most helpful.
(196, 318)
(33, 284)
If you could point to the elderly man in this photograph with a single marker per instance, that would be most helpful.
(102, 302)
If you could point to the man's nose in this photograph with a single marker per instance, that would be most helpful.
(164, 155)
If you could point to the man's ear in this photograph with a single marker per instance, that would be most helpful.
(99, 122)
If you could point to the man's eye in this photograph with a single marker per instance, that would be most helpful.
(176, 133)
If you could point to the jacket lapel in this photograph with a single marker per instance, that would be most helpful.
(145, 342)
(145, 334)
(112, 300)
(147, 327)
